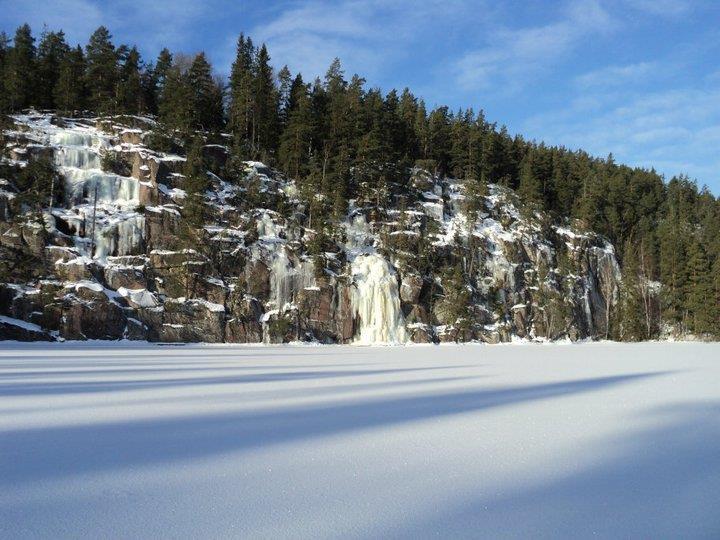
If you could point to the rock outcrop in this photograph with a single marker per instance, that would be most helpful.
(116, 260)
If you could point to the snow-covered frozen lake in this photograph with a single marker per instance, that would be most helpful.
(571, 441)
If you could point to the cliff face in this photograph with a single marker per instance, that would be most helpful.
(112, 261)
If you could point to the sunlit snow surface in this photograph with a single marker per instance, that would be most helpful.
(531, 441)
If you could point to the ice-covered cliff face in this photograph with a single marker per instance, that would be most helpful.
(99, 210)
(376, 301)
(116, 262)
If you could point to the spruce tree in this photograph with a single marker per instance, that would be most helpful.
(176, 101)
(129, 92)
(296, 141)
(285, 85)
(20, 77)
(265, 113)
(101, 59)
(241, 109)
(700, 297)
(207, 96)
(148, 90)
(4, 51)
(162, 66)
(529, 188)
(196, 183)
(631, 325)
(51, 53)
(407, 109)
(715, 305)
(70, 91)
(440, 138)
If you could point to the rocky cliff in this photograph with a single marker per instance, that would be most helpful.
(111, 258)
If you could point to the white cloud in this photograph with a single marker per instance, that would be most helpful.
(515, 56)
(367, 35)
(674, 131)
(665, 8)
(609, 76)
(77, 18)
(151, 25)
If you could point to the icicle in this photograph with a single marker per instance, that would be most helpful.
(281, 278)
(286, 280)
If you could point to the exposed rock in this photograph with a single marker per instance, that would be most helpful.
(192, 321)
(257, 278)
(77, 269)
(244, 325)
(130, 277)
(176, 272)
(88, 313)
(421, 333)
(13, 329)
(162, 227)
(410, 288)
(259, 242)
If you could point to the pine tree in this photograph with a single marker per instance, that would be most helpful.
(241, 109)
(700, 297)
(129, 93)
(4, 51)
(196, 183)
(296, 141)
(266, 121)
(70, 91)
(20, 70)
(631, 325)
(51, 53)
(176, 100)
(101, 59)
(529, 188)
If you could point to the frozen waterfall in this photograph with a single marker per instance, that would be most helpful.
(77, 154)
(120, 236)
(118, 229)
(376, 301)
(287, 279)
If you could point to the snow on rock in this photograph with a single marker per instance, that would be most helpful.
(139, 297)
(256, 262)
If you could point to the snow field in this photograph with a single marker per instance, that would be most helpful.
(572, 441)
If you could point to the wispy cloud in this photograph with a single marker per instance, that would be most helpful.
(609, 76)
(674, 131)
(77, 18)
(515, 56)
(665, 8)
(152, 25)
(367, 35)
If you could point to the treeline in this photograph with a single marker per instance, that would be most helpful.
(341, 140)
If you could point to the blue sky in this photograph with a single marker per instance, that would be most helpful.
(638, 78)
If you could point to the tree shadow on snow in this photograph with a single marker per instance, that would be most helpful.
(34, 454)
(660, 482)
(135, 383)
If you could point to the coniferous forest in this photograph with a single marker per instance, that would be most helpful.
(341, 140)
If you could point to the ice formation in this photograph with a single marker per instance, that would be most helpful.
(95, 195)
(376, 301)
